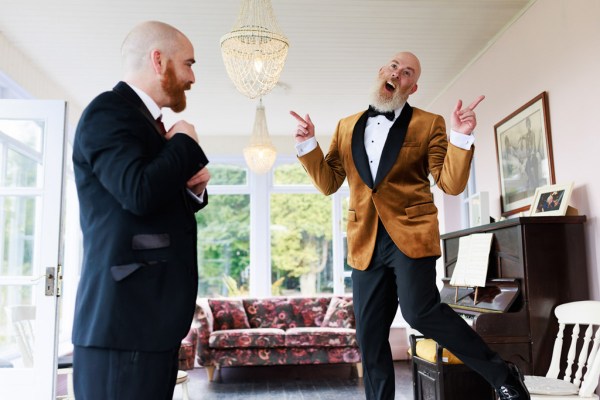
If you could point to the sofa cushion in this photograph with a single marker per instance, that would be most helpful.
(247, 338)
(269, 313)
(309, 311)
(228, 314)
(320, 337)
(340, 314)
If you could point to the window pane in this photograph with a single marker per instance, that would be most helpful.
(221, 174)
(13, 346)
(21, 171)
(301, 247)
(18, 228)
(30, 133)
(291, 174)
(223, 246)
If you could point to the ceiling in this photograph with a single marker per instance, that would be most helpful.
(336, 49)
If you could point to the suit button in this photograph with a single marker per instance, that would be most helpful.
(374, 191)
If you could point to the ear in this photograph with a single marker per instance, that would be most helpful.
(157, 61)
(414, 88)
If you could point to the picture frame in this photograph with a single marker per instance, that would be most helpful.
(551, 200)
(524, 154)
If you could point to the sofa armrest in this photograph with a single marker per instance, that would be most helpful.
(187, 350)
(203, 320)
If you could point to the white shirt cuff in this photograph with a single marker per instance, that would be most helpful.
(198, 198)
(461, 140)
(306, 147)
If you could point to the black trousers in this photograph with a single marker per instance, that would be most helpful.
(391, 279)
(107, 374)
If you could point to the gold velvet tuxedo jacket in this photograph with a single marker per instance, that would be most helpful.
(400, 195)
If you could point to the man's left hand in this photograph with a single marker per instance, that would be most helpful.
(464, 120)
(198, 182)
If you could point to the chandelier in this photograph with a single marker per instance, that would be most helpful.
(260, 153)
(255, 50)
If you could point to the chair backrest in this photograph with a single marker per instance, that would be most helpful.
(583, 317)
(22, 318)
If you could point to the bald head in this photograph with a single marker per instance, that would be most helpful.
(146, 37)
(409, 59)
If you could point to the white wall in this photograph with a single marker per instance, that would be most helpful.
(554, 47)
(30, 78)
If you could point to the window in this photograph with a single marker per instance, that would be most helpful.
(272, 234)
(224, 234)
(301, 234)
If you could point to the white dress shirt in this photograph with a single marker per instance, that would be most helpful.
(376, 134)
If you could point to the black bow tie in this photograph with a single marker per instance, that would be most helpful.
(388, 114)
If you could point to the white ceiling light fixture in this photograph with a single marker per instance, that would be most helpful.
(255, 50)
(260, 154)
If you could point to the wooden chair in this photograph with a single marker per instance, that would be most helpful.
(573, 375)
(22, 318)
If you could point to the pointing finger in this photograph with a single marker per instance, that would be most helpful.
(476, 102)
(299, 118)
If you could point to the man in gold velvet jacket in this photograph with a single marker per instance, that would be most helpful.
(387, 154)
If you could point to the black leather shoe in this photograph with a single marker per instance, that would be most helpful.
(514, 387)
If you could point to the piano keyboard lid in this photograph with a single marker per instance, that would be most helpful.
(496, 297)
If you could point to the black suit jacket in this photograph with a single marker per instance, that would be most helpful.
(139, 276)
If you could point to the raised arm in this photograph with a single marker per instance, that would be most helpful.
(305, 130)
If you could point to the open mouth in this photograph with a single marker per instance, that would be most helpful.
(389, 86)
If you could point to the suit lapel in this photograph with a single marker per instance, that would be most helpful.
(359, 154)
(393, 143)
(125, 91)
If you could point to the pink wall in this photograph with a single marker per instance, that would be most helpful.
(554, 47)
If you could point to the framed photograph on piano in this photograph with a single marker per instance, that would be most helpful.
(524, 154)
(551, 200)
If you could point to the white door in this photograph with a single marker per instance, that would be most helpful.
(32, 143)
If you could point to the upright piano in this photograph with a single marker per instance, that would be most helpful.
(535, 264)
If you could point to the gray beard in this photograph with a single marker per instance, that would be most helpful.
(386, 104)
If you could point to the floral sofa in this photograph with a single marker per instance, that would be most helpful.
(276, 331)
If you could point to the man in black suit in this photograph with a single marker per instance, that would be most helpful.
(139, 187)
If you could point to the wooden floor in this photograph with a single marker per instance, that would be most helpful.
(306, 382)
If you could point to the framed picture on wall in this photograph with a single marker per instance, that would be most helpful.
(524, 154)
(551, 200)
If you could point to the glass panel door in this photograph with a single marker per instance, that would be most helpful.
(31, 180)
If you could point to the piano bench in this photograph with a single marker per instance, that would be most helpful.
(439, 380)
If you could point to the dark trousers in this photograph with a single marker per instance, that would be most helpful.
(107, 374)
(391, 279)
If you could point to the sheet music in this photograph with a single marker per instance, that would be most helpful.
(472, 262)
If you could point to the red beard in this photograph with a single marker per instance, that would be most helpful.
(174, 90)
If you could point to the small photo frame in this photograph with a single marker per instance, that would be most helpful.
(551, 200)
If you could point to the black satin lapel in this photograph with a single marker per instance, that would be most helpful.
(131, 96)
(393, 143)
(359, 154)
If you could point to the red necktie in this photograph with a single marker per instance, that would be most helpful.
(161, 126)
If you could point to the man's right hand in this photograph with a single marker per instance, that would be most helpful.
(182, 127)
(305, 130)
